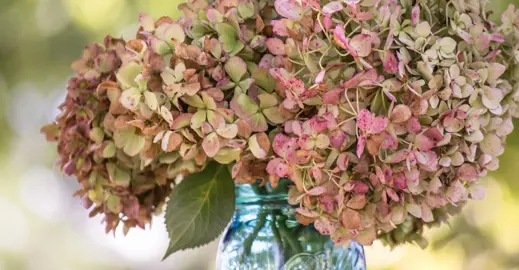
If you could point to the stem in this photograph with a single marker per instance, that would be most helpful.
(258, 190)
(289, 236)
(275, 231)
(247, 244)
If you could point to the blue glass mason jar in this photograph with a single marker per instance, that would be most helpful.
(265, 235)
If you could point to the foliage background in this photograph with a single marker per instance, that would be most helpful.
(42, 227)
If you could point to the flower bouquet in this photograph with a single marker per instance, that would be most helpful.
(376, 117)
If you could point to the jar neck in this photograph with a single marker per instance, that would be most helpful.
(261, 195)
(254, 201)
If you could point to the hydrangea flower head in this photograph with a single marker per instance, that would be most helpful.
(383, 114)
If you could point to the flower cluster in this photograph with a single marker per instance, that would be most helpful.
(383, 113)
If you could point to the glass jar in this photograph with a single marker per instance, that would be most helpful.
(264, 234)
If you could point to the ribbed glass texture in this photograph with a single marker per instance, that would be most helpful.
(264, 234)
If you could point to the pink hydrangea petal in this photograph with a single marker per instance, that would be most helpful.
(399, 181)
(320, 77)
(342, 161)
(70, 167)
(316, 191)
(361, 43)
(482, 41)
(314, 4)
(364, 78)
(389, 142)
(477, 191)
(456, 192)
(279, 27)
(427, 214)
(213, 15)
(468, 173)
(337, 138)
(284, 146)
(331, 121)
(377, 125)
(275, 46)
(412, 175)
(392, 194)
(340, 37)
(325, 226)
(351, 3)
(327, 21)
(381, 176)
(317, 27)
(433, 134)
(389, 95)
(307, 213)
(266, 61)
(397, 157)
(364, 16)
(413, 125)
(361, 144)
(390, 63)
(360, 187)
(289, 104)
(465, 36)
(364, 119)
(332, 97)
(332, 7)
(290, 9)
(296, 128)
(317, 125)
(389, 40)
(306, 142)
(327, 203)
(292, 126)
(423, 143)
(296, 85)
(427, 160)
(415, 14)
(282, 170)
(317, 174)
(147, 22)
(236, 169)
(497, 37)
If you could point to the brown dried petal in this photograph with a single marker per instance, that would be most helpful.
(350, 219)
(358, 202)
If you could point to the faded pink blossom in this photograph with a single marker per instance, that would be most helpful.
(371, 124)
(390, 63)
(284, 146)
(415, 14)
(364, 78)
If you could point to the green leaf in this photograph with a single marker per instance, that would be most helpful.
(199, 208)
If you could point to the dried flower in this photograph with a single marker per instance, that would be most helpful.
(299, 89)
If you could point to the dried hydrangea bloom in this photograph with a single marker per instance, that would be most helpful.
(383, 114)
(422, 97)
(106, 146)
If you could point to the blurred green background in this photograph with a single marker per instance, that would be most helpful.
(42, 227)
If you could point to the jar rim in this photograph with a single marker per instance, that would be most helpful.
(262, 194)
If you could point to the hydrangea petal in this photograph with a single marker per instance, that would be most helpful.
(290, 9)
